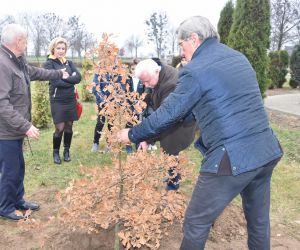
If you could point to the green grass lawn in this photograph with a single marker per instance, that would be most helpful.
(41, 171)
(285, 196)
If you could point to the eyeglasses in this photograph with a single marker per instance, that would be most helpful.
(180, 43)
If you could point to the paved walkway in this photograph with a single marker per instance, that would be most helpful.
(287, 103)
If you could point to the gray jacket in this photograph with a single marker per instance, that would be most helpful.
(15, 97)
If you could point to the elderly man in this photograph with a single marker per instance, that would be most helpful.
(220, 88)
(162, 79)
(15, 116)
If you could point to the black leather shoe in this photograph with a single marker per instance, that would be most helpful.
(28, 205)
(12, 216)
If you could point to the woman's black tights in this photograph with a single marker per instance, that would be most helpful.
(62, 127)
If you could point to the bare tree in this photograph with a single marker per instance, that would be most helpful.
(55, 26)
(133, 43)
(88, 41)
(5, 20)
(76, 34)
(157, 31)
(36, 28)
(173, 39)
(129, 46)
(285, 21)
(43, 27)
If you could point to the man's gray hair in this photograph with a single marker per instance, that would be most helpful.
(11, 32)
(148, 65)
(199, 25)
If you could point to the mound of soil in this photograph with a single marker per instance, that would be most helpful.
(228, 232)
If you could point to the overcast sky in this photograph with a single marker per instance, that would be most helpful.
(120, 17)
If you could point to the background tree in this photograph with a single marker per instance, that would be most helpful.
(86, 94)
(37, 31)
(173, 39)
(285, 22)
(278, 68)
(88, 41)
(133, 43)
(225, 21)
(250, 34)
(122, 52)
(129, 46)
(157, 31)
(76, 33)
(54, 27)
(295, 67)
(4, 21)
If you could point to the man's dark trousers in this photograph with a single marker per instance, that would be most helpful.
(213, 193)
(12, 171)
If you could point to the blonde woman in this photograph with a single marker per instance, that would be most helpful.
(62, 97)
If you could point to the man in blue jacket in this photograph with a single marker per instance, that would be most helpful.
(219, 87)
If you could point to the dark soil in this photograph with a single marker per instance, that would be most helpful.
(228, 233)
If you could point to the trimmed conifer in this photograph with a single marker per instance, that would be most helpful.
(225, 21)
(278, 68)
(41, 116)
(295, 67)
(250, 34)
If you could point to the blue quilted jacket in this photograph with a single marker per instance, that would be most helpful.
(219, 87)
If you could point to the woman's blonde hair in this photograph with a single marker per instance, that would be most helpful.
(56, 41)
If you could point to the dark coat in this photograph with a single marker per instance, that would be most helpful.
(62, 92)
(180, 136)
(64, 88)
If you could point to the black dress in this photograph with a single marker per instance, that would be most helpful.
(62, 92)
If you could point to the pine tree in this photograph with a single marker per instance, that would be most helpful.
(295, 67)
(278, 68)
(40, 105)
(85, 93)
(250, 34)
(225, 21)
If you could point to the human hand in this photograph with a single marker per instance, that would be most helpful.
(143, 146)
(65, 74)
(122, 136)
(33, 132)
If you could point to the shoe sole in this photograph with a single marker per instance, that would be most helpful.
(28, 209)
(10, 219)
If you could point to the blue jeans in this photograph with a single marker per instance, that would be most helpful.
(12, 171)
(213, 193)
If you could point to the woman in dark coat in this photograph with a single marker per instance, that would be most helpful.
(62, 97)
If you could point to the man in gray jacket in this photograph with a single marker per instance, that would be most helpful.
(15, 117)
